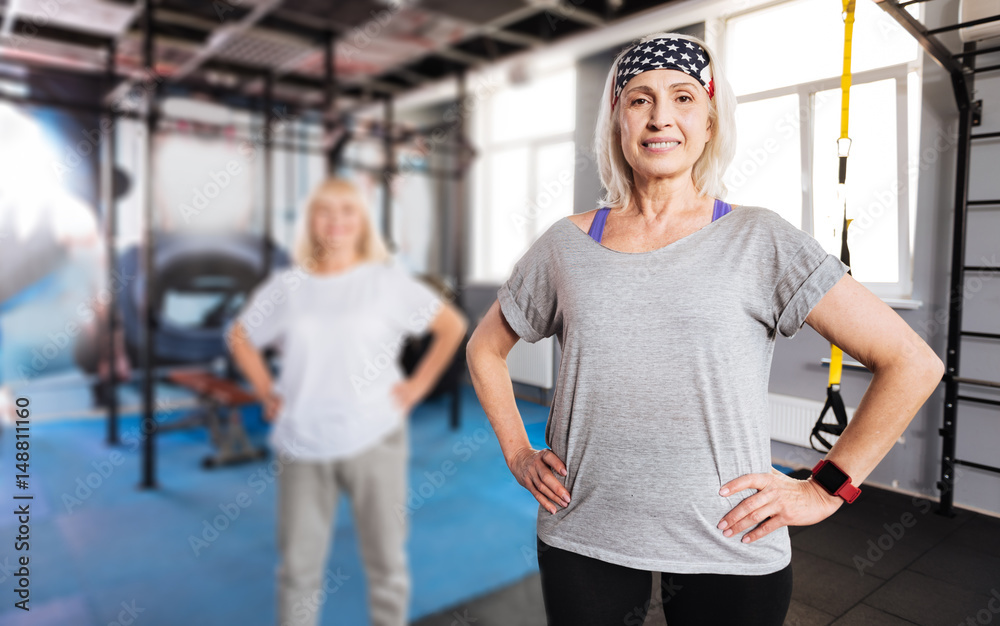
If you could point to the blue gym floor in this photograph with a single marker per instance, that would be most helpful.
(107, 551)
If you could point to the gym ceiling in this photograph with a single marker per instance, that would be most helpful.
(380, 48)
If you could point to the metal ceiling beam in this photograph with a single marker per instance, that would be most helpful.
(311, 22)
(218, 37)
(312, 43)
(493, 29)
(53, 54)
(517, 39)
(464, 58)
(413, 77)
(378, 85)
(216, 41)
(919, 32)
(517, 15)
(250, 76)
(170, 16)
(223, 35)
(308, 23)
(577, 14)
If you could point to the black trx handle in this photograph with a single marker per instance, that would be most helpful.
(835, 402)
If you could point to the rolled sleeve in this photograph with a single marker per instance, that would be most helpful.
(811, 275)
(515, 303)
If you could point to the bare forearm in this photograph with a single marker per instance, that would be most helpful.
(906, 371)
(894, 396)
(438, 356)
(491, 379)
(251, 363)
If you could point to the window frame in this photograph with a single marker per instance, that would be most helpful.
(482, 271)
(901, 291)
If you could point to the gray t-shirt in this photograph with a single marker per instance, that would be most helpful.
(662, 390)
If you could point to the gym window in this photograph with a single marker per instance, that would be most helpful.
(186, 161)
(787, 83)
(523, 180)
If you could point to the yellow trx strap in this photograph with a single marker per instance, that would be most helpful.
(833, 399)
(845, 78)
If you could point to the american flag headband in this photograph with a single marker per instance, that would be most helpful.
(664, 54)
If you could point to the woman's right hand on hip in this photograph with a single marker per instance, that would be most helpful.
(272, 406)
(533, 469)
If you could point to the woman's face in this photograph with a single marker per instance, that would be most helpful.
(664, 123)
(337, 222)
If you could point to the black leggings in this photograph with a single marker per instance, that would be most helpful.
(582, 591)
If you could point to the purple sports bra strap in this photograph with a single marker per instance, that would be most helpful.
(597, 226)
(721, 208)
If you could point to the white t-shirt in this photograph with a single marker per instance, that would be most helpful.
(340, 337)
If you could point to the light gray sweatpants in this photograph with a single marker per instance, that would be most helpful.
(375, 482)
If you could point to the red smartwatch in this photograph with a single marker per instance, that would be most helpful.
(835, 480)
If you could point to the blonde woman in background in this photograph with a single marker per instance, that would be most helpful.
(340, 403)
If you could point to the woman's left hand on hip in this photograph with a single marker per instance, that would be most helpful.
(780, 501)
(407, 393)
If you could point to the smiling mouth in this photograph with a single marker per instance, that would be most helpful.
(662, 144)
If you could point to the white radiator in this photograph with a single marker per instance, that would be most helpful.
(533, 363)
(793, 418)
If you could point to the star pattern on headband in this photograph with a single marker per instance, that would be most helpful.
(662, 54)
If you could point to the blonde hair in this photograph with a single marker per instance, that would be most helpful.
(615, 171)
(307, 249)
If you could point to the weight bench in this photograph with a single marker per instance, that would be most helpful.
(217, 395)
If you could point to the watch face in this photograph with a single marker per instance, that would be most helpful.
(830, 477)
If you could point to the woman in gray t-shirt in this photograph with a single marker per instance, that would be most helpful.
(667, 309)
